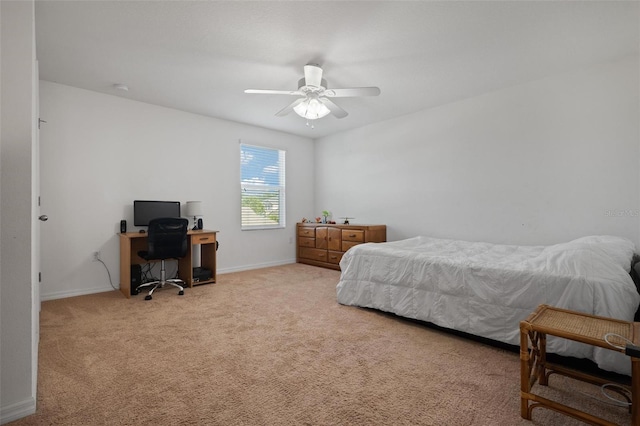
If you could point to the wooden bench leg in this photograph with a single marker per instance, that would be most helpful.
(525, 386)
(635, 391)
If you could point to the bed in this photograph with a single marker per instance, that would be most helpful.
(487, 289)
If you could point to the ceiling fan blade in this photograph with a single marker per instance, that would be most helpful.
(335, 109)
(274, 92)
(286, 110)
(352, 92)
(313, 75)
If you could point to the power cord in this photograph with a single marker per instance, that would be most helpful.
(609, 335)
(609, 399)
(620, 390)
(631, 350)
(108, 273)
(146, 272)
(147, 275)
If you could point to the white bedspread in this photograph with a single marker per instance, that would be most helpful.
(487, 289)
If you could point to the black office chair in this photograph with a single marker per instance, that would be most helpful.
(167, 238)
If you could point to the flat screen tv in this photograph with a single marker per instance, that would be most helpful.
(144, 211)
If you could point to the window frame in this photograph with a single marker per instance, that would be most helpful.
(263, 188)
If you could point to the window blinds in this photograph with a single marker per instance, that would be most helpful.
(262, 185)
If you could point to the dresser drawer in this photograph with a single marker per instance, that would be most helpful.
(314, 254)
(324, 244)
(306, 242)
(346, 245)
(203, 239)
(352, 235)
(334, 257)
(307, 232)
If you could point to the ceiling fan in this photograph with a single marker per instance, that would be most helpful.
(314, 95)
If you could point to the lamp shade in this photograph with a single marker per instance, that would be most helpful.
(194, 208)
(311, 109)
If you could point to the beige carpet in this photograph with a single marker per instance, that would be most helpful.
(270, 347)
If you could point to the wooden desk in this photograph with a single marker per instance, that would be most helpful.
(580, 327)
(133, 242)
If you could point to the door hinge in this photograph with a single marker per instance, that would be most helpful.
(39, 277)
(40, 121)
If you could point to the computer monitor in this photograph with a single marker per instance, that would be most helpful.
(144, 211)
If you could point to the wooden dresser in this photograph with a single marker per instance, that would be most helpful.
(323, 244)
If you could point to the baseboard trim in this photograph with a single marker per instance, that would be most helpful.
(18, 410)
(73, 293)
(83, 292)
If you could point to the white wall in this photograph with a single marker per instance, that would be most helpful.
(100, 152)
(538, 163)
(18, 306)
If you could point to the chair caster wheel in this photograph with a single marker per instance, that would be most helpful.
(181, 292)
(147, 297)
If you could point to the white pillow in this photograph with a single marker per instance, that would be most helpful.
(619, 250)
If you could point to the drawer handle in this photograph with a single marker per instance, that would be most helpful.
(204, 239)
(334, 257)
(352, 236)
(320, 255)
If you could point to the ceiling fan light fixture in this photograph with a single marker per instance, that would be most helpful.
(311, 109)
(314, 101)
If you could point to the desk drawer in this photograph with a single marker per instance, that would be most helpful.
(203, 239)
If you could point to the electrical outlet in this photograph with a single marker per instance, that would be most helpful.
(96, 256)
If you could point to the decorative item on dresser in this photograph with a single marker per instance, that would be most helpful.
(323, 244)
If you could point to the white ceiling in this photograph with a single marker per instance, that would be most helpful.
(200, 56)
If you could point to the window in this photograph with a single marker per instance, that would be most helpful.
(262, 187)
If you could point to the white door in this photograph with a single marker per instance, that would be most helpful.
(35, 201)
(35, 224)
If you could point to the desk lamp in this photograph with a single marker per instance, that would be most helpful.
(194, 208)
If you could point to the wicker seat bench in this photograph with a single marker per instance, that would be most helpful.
(579, 327)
